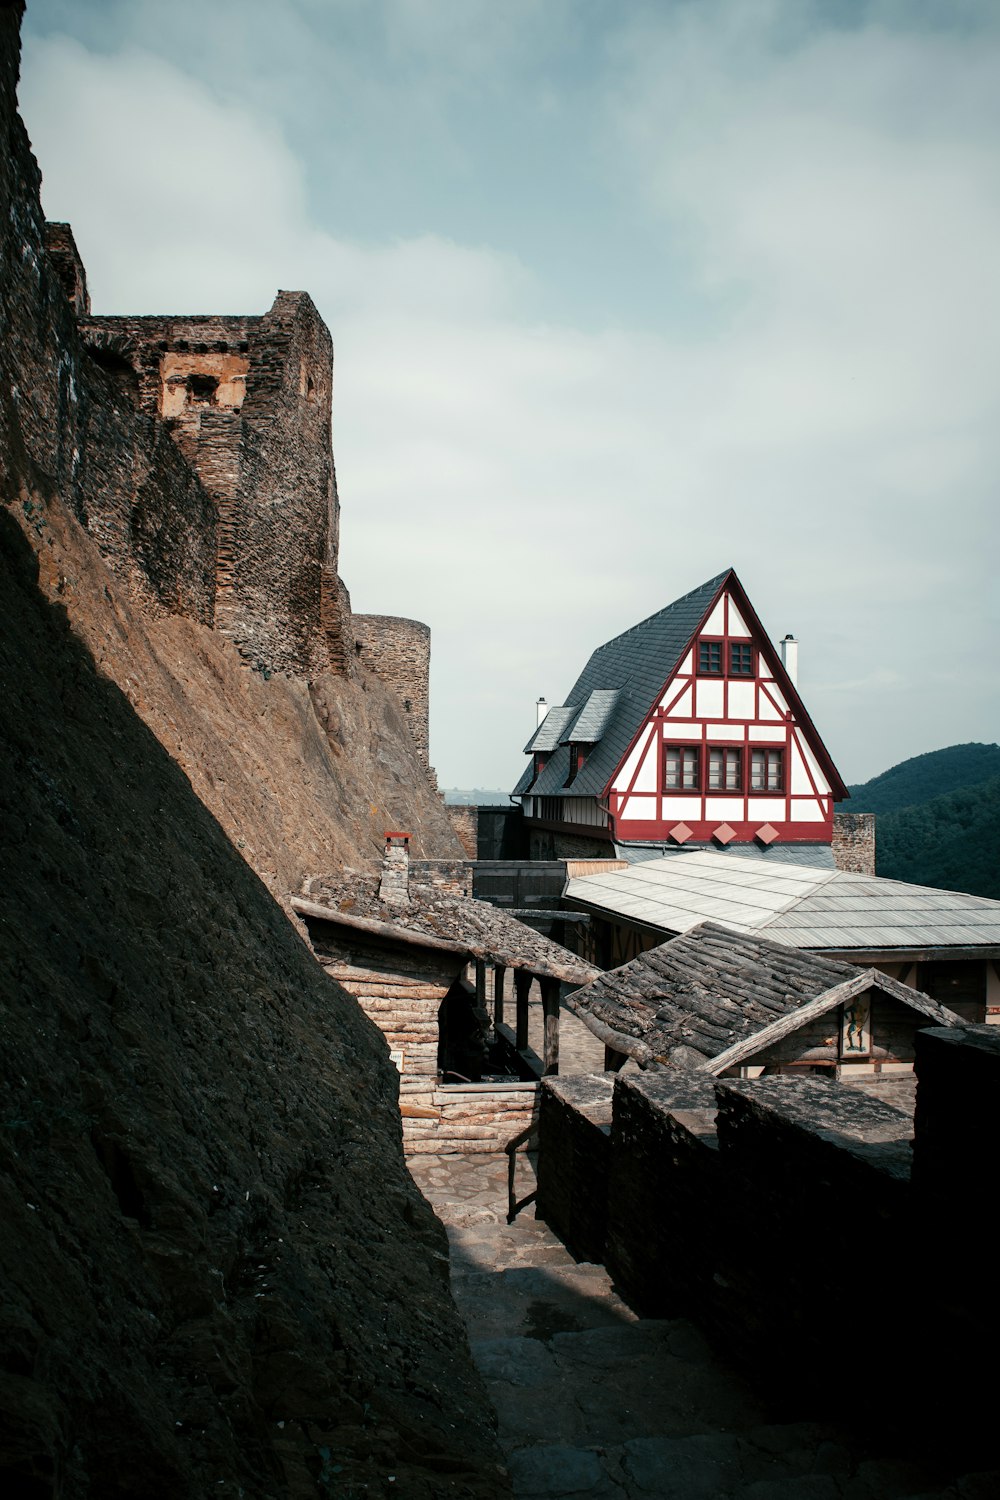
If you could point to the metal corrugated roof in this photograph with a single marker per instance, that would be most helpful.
(595, 716)
(798, 905)
(635, 665)
(549, 731)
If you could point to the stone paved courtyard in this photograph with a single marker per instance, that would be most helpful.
(594, 1403)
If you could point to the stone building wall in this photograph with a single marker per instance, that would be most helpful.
(247, 400)
(465, 821)
(70, 425)
(854, 842)
(399, 651)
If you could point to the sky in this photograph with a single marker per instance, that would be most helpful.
(622, 293)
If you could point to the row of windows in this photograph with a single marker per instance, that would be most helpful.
(723, 768)
(725, 658)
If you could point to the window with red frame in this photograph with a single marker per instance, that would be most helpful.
(767, 770)
(725, 768)
(710, 658)
(740, 659)
(682, 768)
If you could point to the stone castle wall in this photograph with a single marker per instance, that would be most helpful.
(400, 652)
(247, 400)
(854, 842)
(465, 821)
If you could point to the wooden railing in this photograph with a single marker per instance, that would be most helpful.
(513, 1205)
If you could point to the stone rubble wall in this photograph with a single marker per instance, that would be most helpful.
(854, 842)
(399, 651)
(444, 877)
(465, 821)
(247, 400)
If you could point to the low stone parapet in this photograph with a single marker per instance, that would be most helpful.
(467, 1118)
(575, 1121)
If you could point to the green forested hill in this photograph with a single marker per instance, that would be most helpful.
(938, 819)
(925, 776)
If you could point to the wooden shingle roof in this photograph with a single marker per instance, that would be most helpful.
(458, 924)
(713, 997)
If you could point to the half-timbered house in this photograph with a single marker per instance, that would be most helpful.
(686, 730)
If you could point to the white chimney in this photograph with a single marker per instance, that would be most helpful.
(541, 709)
(789, 648)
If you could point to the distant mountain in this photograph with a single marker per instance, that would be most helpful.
(923, 777)
(938, 819)
(476, 796)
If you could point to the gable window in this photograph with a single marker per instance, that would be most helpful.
(767, 770)
(682, 768)
(710, 658)
(725, 769)
(577, 756)
(740, 659)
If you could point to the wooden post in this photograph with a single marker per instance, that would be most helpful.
(481, 984)
(522, 984)
(499, 979)
(550, 1010)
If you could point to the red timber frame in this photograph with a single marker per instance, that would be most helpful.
(746, 812)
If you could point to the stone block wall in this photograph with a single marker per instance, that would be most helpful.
(575, 1120)
(664, 1209)
(782, 1215)
(399, 651)
(443, 877)
(478, 1119)
(854, 842)
(465, 821)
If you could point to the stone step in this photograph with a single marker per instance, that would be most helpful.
(538, 1301)
(602, 1384)
(793, 1462)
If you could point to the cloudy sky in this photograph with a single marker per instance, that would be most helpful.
(621, 293)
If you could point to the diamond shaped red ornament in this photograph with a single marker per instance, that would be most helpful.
(766, 835)
(680, 833)
(724, 834)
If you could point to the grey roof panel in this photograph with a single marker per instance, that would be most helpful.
(595, 716)
(802, 906)
(550, 730)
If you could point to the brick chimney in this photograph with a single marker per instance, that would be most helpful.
(394, 887)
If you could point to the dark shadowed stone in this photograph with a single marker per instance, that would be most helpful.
(556, 1471)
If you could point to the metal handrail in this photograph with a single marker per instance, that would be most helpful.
(513, 1206)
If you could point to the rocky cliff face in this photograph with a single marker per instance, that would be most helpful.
(218, 1277)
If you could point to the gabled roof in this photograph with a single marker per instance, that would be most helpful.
(635, 667)
(827, 910)
(715, 997)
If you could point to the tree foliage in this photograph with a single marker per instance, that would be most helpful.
(938, 819)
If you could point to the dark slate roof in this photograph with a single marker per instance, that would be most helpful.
(462, 923)
(704, 996)
(595, 716)
(550, 730)
(634, 665)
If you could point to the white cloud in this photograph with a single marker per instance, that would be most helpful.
(530, 488)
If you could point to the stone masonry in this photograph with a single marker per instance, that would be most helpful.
(854, 842)
(400, 652)
(247, 401)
